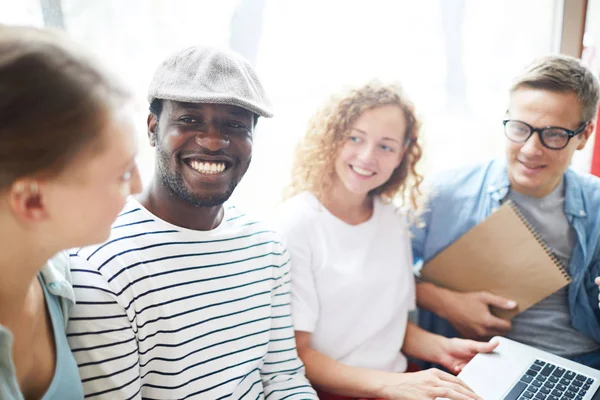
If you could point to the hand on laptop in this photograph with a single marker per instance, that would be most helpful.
(470, 314)
(427, 385)
(456, 353)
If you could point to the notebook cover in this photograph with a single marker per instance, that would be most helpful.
(502, 255)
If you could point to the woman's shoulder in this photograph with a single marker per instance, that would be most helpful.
(303, 205)
(298, 212)
(392, 212)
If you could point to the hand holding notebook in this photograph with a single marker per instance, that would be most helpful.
(502, 255)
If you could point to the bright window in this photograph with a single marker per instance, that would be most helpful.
(454, 57)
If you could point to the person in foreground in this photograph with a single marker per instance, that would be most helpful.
(189, 298)
(551, 114)
(351, 259)
(66, 167)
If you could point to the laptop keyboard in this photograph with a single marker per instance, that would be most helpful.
(546, 381)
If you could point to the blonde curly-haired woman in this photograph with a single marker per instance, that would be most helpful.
(352, 281)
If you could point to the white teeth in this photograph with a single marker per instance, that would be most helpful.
(361, 171)
(209, 168)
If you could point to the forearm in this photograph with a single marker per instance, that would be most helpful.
(421, 344)
(335, 377)
(433, 298)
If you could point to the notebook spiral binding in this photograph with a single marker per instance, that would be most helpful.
(541, 241)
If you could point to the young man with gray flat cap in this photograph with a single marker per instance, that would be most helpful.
(189, 298)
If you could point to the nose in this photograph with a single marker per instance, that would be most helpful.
(212, 139)
(133, 185)
(533, 146)
(367, 153)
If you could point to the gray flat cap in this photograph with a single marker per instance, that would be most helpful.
(210, 75)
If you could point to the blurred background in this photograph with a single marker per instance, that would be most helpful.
(455, 58)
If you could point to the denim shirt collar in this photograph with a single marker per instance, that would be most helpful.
(57, 277)
(499, 185)
(574, 204)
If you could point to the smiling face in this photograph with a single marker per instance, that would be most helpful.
(203, 150)
(533, 169)
(373, 149)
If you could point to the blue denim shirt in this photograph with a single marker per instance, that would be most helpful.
(462, 198)
(57, 279)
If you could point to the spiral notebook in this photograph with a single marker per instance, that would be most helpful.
(503, 255)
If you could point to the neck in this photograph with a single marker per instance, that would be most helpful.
(350, 208)
(171, 208)
(21, 259)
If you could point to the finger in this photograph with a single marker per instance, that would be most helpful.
(597, 281)
(458, 368)
(449, 378)
(471, 349)
(498, 301)
(495, 324)
(484, 347)
(456, 392)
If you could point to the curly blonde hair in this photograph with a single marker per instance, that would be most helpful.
(313, 168)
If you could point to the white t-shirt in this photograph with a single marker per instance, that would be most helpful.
(352, 285)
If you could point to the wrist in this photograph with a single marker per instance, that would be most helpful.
(434, 349)
(445, 300)
(383, 384)
(443, 344)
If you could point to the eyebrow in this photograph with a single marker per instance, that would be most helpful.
(233, 110)
(385, 138)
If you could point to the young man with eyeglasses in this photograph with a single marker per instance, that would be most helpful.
(551, 114)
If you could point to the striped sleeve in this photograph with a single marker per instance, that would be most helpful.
(102, 337)
(282, 372)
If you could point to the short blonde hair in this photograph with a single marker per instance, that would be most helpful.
(559, 73)
(313, 169)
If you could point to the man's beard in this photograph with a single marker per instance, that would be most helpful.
(173, 181)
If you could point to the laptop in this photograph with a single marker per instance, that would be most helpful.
(514, 371)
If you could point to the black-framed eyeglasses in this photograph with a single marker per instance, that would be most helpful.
(552, 137)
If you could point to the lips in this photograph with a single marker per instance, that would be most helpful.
(531, 168)
(208, 168)
(206, 161)
(363, 172)
(532, 165)
(222, 157)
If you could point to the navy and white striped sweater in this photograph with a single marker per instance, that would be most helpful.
(165, 312)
